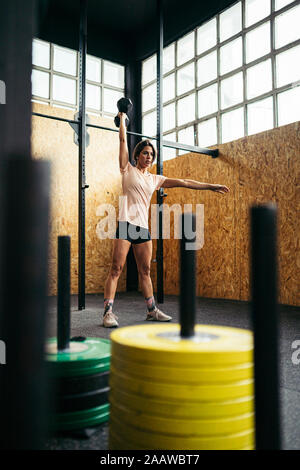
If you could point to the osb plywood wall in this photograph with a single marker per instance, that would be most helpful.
(257, 169)
(53, 141)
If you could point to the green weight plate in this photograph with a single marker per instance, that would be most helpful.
(87, 357)
(182, 427)
(188, 392)
(184, 374)
(58, 371)
(183, 409)
(154, 441)
(82, 419)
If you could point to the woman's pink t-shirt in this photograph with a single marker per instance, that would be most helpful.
(138, 188)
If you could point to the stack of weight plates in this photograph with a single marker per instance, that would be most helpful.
(79, 380)
(172, 393)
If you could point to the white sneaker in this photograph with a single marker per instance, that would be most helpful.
(110, 320)
(158, 315)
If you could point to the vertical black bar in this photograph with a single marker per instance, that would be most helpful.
(133, 86)
(187, 277)
(63, 293)
(82, 148)
(265, 322)
(23, 303)
(160, 246)
(17, 26)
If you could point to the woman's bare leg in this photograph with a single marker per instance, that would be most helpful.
(120, 251)
(143, 255)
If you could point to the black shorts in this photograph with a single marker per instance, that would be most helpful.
(133, 233)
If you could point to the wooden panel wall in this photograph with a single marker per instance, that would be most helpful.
(257, 169)
(53, 140)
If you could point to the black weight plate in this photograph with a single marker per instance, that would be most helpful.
(81, 384)
(81, 401)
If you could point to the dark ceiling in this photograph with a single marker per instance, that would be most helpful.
(122, 30)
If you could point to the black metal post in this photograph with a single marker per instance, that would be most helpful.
(159, 166)
(23, 303)
(63, 293)
(82, 148)
(133, 85)
(187, 277)
(265, 322)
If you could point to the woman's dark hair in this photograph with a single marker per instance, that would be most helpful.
(139, 147)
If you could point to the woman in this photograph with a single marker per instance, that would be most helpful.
(138, 186)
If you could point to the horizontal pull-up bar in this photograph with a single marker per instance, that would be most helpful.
(190, 148)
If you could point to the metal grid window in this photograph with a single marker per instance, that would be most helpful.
(237, 74)
(55, 79)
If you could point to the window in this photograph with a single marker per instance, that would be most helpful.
(235, 75)
(55, 75)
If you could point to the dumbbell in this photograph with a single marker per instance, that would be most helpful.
(124, 105)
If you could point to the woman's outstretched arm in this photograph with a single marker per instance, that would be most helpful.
(191, 184)
(123, 153)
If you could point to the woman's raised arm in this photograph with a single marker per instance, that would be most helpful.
(123, 152)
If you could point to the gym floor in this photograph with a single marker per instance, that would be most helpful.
(130, 308)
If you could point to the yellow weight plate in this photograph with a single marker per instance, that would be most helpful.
(182, 427)
(161, 344)
(150, 440)
(184, 374)
(181, 408)
(171, 392)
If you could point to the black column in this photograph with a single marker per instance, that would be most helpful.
(82, 147)
(160, 246)
(133, 86)
(265, 322)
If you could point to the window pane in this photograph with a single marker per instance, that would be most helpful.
(207, 68)
(185, 48)
(287, 27)
(64, 89)
(281, 3)
(169, 153)
(288, 66)
(232, 125)
(41, 53)
(288, 106)
(93, 96)
(259, 79)
(110, 98)
(230, 21)
(186, 109)
(185, 79)
(93, 69)
(149, 70)
(113, 74)
(231, 56)
(256, 10)
(258, 42)
(232, 90)
(169, 87)
(207, 133)
(208, 100)
(260, 116)
(186, 136)
(149, 97)
(169, 58)
(65, 60)
(207, 36)
(149, 124)
(40, 83)
(168, 117)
